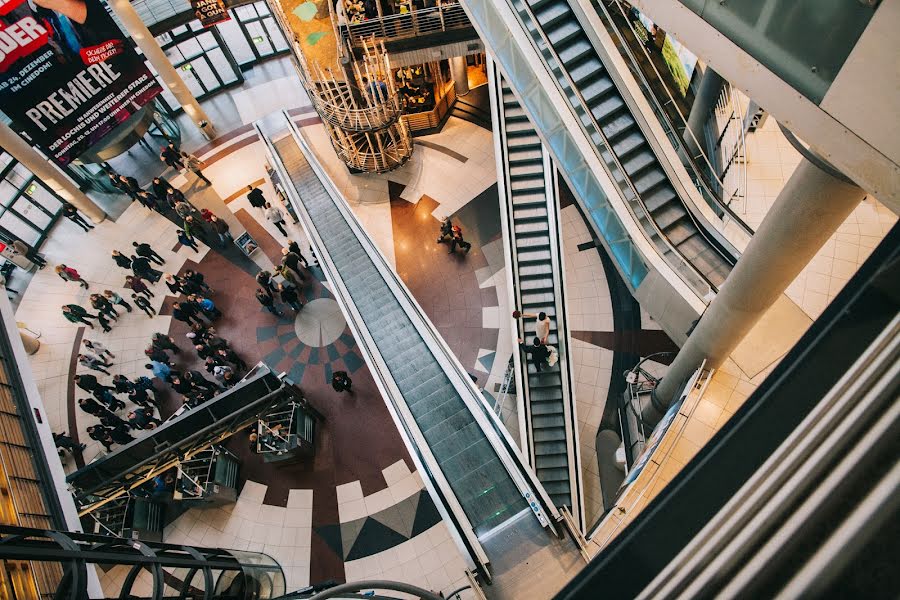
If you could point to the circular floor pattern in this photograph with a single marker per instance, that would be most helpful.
(320, 322)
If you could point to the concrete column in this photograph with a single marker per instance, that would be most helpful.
(170, 77)
(704, 101)
(48, 173)
(810, 208)
(460, 74)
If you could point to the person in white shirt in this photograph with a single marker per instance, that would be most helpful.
(98, 348)
(274, 214)
(541, 326)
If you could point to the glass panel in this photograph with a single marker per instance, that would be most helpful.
(207, 40)
(18, 175)
(190, 48)
(221, 65)
(275, 34)
(261, 7)
(174, 55)
(31, 212)
(234, 38)
(19, 228)
(191, 80)
(42, 196)
(164, 38)
(259, 38)
(8, 192)
(245, 12)
(804, 41)
(176, 31)
(203, 70)
(196, 25)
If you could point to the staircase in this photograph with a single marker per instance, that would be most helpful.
(530, 228)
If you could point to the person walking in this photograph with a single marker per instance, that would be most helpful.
(458, 240)
(104, 324)
(137, 285)
(197, 278)
(268, 302)
(538, 352)
(264, 279)
(144, 304)
(209, 309)
(160, 370)
(121, 260)
(115, 298)
(105, 396)
(118, 436)
(69, 274)
(174, 196)
(94, 362)
(220, 226)
(91, 406)
(195, 229)
(541, 326)
(160, 187)
(97, 348)
(219, 372)
(274, 214)
(148, 200)
(64, 442)
(143, 419)
(104, 306)
(196, 379)
(291, 267)
(185, 240)
(129, 186)
(142, 397)
(288, 295)
(295, 248)
(341, 382)
(183, 209)
(446, 230)
(75, 314)
(144, 250)
(255, 197)
(122, 384)
(165, 342)
(90, 383)
(100, 434)
(142, 268)
(230, 356)
(157, 354)
(29, 253)
(194, 164)
(171, 156)
(186, 313)
(71, 213)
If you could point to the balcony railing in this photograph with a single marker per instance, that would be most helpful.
(408, 25)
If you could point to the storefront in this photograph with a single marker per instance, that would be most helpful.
(426, 94)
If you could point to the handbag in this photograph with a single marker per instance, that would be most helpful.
(554, 356)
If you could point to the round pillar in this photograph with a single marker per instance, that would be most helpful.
(170, 77)
(810, 208)
(460, 73)
(49, 174)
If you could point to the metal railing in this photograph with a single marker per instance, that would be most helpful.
(509, 377)
(686, 271)
(718, 201)
(446, 17)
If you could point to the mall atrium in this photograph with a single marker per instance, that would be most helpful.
(460, 299)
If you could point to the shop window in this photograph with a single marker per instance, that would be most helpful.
(27, 208)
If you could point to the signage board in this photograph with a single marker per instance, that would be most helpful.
(210, 12)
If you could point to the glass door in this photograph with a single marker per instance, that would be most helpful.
(27, 208)
(197, 53)
(260, 30)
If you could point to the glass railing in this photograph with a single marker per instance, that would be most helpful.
(805, 42)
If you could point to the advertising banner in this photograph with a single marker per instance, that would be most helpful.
(210, 12)
(67, 77)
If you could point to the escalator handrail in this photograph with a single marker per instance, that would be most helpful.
(434, 478)
(538, 28)
(522, 476)
(651, 97)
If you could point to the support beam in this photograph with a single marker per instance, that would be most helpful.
(460, 73)
(810, 208)
(48, 173)
(147, 43)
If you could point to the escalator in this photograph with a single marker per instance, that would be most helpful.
(531, 228)
(483, 488)
(633, 162)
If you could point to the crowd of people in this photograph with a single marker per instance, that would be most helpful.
(270, 292)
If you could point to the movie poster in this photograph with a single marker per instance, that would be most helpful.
(210, 12)
(67, 77)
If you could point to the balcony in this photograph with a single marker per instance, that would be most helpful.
(412, 30)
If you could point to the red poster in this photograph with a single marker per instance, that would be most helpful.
(210, 12)
(67, 76)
